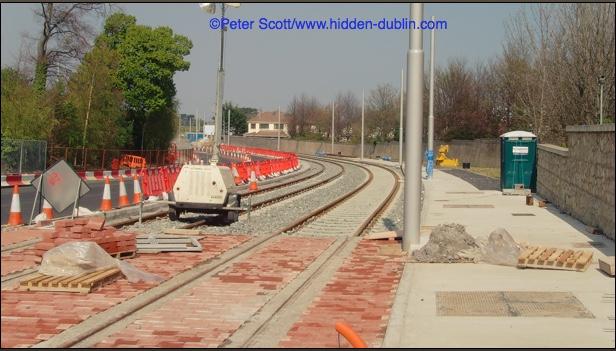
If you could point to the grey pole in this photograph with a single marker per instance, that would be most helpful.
(228, 127)
(401, 133)
(278, 146)
(333, 127)
(430, 160)
(219, 93)
(601, 103)
(362, 123)
(412, 168)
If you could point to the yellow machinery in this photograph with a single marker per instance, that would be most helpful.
(443, 161)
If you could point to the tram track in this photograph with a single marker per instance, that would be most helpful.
(105, 323)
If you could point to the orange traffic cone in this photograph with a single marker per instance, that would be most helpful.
(236, 175)
(47, 210)
(123, 199)
(106, 203)
(136, 190)
(15, 213)
(253, 181)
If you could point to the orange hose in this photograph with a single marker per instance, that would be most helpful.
(350, 335)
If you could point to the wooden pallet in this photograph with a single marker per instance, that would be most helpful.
(555, 258)
(81, 283)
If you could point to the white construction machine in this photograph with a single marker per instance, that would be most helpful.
(206, 189)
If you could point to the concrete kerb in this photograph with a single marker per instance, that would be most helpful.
(395, 327)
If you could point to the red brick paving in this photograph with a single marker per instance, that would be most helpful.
(31, 317)
(361, 294)
(215, 308)
(18, 260)
(15, 235)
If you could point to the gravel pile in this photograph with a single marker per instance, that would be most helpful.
(272, 218)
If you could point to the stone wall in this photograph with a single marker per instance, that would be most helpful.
(580, 179)
(480, 153)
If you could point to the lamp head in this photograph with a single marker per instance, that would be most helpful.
(208, 7)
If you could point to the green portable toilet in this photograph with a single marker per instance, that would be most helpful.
(518, 162)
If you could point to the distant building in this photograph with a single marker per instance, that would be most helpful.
(265, 124)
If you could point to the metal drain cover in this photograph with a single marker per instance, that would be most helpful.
(522, 214)
(468, 206)
(510, 304)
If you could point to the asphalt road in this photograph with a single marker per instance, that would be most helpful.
(92, 200)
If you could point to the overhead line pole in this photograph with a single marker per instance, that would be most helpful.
(362, 123)
(430, 161)
(333, 106)
(278, 146)
(413, 155)
(401, 133)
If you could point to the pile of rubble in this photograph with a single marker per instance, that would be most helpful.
(450, 243)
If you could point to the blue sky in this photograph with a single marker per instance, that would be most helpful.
(265, 69)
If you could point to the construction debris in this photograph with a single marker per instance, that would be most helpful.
(500, 249)
(167, 243)
(554, 258)
(607, 265)
(448, 243)
(74, 259)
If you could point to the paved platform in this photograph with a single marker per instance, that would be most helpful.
(415, 320)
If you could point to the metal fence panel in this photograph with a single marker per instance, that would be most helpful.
(23, 156)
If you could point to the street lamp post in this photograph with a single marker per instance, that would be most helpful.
(278, 144)
(601, 82)
(211, 8)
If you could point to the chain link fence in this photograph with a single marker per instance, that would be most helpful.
(30, 156)
(23, 156)
(103, 159)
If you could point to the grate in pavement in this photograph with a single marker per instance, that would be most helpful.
(510, 304)
(467, 206)
(522, 214)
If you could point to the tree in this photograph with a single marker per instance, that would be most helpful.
(25, 113)
(93, 94)
(64, 37)
(348, 113)
(556, 54)
(306, 115)
(148, 60)
(382, 113)
(239, 122)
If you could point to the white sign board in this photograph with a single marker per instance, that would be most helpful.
(520, 150)
(60, 185)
